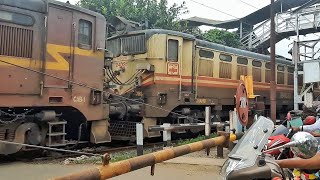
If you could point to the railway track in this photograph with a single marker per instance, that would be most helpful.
(58, 156)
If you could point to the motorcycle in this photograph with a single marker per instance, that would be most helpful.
(281, 136)
(247, 161)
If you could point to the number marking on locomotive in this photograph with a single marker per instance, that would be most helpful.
(201, 101)
(121, 64)
(79, 99)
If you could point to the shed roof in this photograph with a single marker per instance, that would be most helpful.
(251, 19)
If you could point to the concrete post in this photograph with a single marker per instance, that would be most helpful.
(208, 121)
(139, 135)
(208, 125)
(166, 135)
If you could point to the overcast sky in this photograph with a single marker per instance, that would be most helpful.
(232, 8)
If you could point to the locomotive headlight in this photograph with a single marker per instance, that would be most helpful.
(107, 62)
(108, 59)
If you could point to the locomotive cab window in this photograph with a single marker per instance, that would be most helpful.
(206, 54)
(173, 50)
(225, 57)
(85, 34)
(16, 18)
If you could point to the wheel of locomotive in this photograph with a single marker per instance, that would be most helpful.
(242, 105)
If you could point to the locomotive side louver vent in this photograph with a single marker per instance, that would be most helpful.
(133, 44)
(15, 41)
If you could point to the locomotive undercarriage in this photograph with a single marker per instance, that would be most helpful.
(40, 126)
(124, 115)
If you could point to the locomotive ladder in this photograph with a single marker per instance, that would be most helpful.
(56, 134)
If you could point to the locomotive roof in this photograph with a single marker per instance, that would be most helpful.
(41, 6)
(77, 8)
(219, 47)
(33, 5)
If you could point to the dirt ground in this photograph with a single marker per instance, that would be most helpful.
(24, 171)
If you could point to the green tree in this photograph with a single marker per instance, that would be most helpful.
(158, 13)
(222, 37)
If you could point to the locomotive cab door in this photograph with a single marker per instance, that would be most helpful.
(188, 64)
(174, 58)
(59, 47)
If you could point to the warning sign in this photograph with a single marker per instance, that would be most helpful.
(173, 68)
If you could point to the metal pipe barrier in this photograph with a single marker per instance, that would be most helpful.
(107, 170)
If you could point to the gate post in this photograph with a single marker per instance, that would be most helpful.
(166, 134)
(139, 135)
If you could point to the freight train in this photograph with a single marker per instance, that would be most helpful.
(62, 83)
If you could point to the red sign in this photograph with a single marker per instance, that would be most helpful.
(173, 69)
(121, 64)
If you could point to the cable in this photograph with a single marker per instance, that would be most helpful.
(240, 18)
(249, 4)
(214, 9)
(89, 87)
(49, 148)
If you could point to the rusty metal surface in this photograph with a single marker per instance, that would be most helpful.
(34, 5)
(18, 43)
(122, 167)
(19, 138)
(242, 104)
(27, 52)
(50, 52)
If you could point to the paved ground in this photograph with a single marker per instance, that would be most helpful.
(190, 167)
(166, 171)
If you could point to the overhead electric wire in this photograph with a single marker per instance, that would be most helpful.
(214, 9)
(249, 4)
(241, 18)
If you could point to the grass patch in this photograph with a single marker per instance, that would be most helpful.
(120, 156)
(192, 140)
(115, 157)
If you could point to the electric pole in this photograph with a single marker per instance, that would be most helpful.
(273, 85)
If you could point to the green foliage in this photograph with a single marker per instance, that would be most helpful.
(222, 37)
(158, 13)
(199, 138)
(115, 157)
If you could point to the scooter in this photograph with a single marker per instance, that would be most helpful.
(247, 161)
